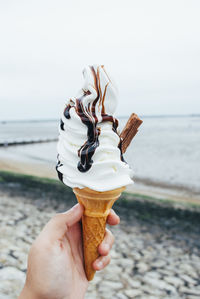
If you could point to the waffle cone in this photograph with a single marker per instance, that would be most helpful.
(97, 207)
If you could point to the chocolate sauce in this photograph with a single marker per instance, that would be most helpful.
(115, 123)
(62, 125)
(60, 175)
(121, 155)
(66, 111)
(87, 150)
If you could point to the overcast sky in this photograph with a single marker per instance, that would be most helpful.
(151, 48)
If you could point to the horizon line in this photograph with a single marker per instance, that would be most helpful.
(121, 116)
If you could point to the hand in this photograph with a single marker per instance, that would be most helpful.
(55, 262)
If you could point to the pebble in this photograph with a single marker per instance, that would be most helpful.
(126, 263)
(147, 261)
(190, 291)
(186, 268)
(121, 296)
(142, 267)
(159, 264)
(188, 279)
(135, 284)
(135, 256)
(113, 269)
(11, 273)
(160, 284)
(12, 281)
(153, 274)
(154, 291)
(132, 293)
(113, 285)
(174, 281)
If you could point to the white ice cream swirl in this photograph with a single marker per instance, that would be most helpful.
(88, 152)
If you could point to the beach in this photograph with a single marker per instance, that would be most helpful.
(164, 155)
(157, 248)
(156, 252)
(96, 98)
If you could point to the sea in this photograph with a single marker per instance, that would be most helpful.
(164, 153)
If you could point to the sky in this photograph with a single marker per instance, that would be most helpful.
(151, 49)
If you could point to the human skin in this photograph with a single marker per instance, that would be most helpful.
(55, 261)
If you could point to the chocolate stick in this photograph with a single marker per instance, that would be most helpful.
(129, 131)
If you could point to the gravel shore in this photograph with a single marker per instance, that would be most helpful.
(153, 257)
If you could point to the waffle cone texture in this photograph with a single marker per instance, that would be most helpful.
(97, 207)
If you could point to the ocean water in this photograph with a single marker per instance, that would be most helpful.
(165, 151)
(25, 130)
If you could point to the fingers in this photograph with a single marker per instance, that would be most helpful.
(113, 218)
(59, 224)
(73, 215)
(107, 243)
(101, 262)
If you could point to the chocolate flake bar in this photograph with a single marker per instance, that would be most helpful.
(129, 131)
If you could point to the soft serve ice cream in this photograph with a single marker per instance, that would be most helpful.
(89, 152)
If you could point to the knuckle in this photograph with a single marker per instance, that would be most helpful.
(56, 218)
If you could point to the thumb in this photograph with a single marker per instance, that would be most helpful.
(73, 215)
(60, 223)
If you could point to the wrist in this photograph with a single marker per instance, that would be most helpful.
(27, 293)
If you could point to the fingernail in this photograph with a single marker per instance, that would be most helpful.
(100, 265)
(112, 212)
(73, 208)
(106, 247)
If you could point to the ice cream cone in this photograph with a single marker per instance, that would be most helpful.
(97, 207)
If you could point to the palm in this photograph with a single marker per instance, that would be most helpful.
(55, 263)
(72, 258)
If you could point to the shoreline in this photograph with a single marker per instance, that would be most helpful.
(22, 184)
(143, 187)
(164, 165)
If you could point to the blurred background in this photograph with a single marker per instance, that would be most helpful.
(151, 49)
